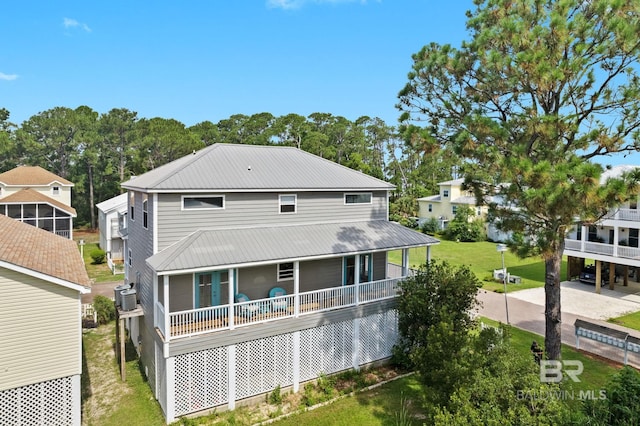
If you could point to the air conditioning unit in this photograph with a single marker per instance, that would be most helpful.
(117, 293)
(128, 299)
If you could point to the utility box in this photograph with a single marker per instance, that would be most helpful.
(514, 279)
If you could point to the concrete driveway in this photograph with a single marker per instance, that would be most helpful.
(581, 299)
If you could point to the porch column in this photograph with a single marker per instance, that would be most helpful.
(625, 282)
(231, 377)
(356, 278)
(355, 359)
(296, 288)
(405, 262)
(296, 361)
(171, 389)
(155, 298)
(165, 304)
(428, 254)
(615, 240)
(612, 275)
(231, 317)
(583, 237)
(598, 276)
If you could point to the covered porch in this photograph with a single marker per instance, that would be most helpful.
(328, 273)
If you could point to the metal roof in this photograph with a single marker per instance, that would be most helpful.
(118, 202)
(232, 167)
(207, 249)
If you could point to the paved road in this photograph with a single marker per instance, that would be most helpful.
(103, 289)
(526, 311)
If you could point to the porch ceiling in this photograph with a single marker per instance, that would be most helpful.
(215, 248)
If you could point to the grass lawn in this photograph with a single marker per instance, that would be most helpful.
(630, 320)
(100, 273)
(482, 258)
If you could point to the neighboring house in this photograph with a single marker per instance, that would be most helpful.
(614, 239)
(444, 205)
(39, 198)
(112, 217)
(258, 267)
(41, 279)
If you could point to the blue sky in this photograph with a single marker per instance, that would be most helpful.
(200, 60)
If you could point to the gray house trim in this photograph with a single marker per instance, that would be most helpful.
(229, 248)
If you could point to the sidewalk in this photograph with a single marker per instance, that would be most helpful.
(579, 301)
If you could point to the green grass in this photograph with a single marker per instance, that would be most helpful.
(482, 258)
(630, 320)
(100, 273)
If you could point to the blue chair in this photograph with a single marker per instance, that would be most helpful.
(249, 309)
(278, 305)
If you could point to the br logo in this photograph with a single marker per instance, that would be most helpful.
(551, 371)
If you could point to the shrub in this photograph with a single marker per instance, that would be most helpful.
(98, 256)
(430, 226)
(105, 309)
(275, 397)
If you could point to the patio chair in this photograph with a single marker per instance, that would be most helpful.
(247, 310)
(278, 305)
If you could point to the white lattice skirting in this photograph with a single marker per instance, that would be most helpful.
(54, 402)
(214, 377)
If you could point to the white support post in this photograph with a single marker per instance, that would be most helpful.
(171, 389)
(356, 279)
(296, 361)
(76, 408)
(355, 360)
(405, 262)
(165, 304)
(155, 299)
(583, 237)
(231, 316)
(577, 340)
(616, 238)
(231, 377)
(296, 288)
(428, 254)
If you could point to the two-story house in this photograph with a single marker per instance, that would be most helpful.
(112, 217)
(614, 240)
(42, 278)
(258, 267)
(33, 195)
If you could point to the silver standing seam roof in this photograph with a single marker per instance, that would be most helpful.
(207, 249)
(232, 167)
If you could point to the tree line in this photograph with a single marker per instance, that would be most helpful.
(99, 151)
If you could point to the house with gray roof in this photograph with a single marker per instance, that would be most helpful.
(258, 267)
(42, 278)
(112, 223)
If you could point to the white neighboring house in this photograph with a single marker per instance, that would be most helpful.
(614, 239)
(112, 220)
(42, 278)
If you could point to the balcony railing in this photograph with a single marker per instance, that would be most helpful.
(624, 214)
(603, 249)
(204, 320)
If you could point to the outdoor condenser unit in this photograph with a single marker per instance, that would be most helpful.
(128, 300)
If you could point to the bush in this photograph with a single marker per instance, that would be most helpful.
(105, 309)
(430, 226)
(98, 256)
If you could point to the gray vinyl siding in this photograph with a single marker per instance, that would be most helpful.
(140, 242)
(256, 282)
(261, 209)
(274, 328)
(40, 329)
(379, 266)
(319, 274)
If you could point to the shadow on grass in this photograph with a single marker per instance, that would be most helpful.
(85, 379)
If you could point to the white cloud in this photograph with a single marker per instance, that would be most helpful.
(72, 23)
(8, 77)
(296, 4)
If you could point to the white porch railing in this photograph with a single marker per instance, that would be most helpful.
(603, 249)
(624, 214)
(214, 318)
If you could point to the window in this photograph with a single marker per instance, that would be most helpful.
(129, 258)
(445, 193)
(633, 237)
(203, 203)
(288, 203)
(132, 202)
(145, 211)
(285, 271)
(454, 209)
(55, 190)
(430, 208)
(360, 198)
(593, 233)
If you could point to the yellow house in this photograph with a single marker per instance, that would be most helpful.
(444, 205)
